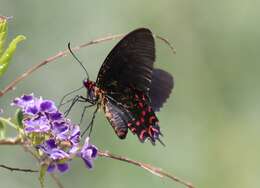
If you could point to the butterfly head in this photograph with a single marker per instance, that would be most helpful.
(91, 87)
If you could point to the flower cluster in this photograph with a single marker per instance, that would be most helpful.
(55, 137)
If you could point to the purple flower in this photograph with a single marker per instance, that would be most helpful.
(29, 104)
(40, 114)
(52, 150)
(55, 116)
(59, 129)
(66, 131)
(39, 125)
(47, 106)
(58, 138)
(75, 135)
(62, 167)
(88, 153)
(23, 101)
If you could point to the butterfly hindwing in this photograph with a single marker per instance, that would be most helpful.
(145, 123)
(132, 110)
(161, 87)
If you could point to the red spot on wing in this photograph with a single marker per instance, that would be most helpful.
(141, 135)
(141, 105)
(150, 130)
(133, 129)
(145, 123)
(151, 119)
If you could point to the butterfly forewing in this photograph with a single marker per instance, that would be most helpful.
(130, 63)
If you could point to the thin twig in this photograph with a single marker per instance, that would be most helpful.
(29, 150)
(18, 141)
(56, 180)
(17, 169)
(53, 176)
(154, 170)
(11, 141)
(51, 59)
(64, 53)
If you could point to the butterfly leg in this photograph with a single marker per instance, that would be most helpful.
(74, 100)
(78, 98)
(83, 112)
(68, 94)
(87, 100)
(90, 125)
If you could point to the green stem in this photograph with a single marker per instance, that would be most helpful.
(9, 122)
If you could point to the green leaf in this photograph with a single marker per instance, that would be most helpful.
(19, 118)
(42, 174)
(8, 54)
(3, 34)
(2, 130)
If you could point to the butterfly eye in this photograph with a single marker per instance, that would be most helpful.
(86, 83)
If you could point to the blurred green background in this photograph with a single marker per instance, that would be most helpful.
(210, 123)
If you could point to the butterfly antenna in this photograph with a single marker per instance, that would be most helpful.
(81, 64)
(68, 94)
(166, 42)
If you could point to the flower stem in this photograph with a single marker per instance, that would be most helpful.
(9, 122)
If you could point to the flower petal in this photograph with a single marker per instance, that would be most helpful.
(55, 116)
(63, 167)
(88, 163)
(58, 154)
(94, 151)
(75, 135)
(31, 110)
(51, 168)
(23, 101)
(88, 153)
(47, 106)
(39, 124)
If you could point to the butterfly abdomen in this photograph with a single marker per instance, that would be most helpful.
(117, 117)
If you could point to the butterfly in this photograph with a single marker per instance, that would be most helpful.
(129, 89)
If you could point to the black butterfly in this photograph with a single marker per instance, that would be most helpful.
(129, 89)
